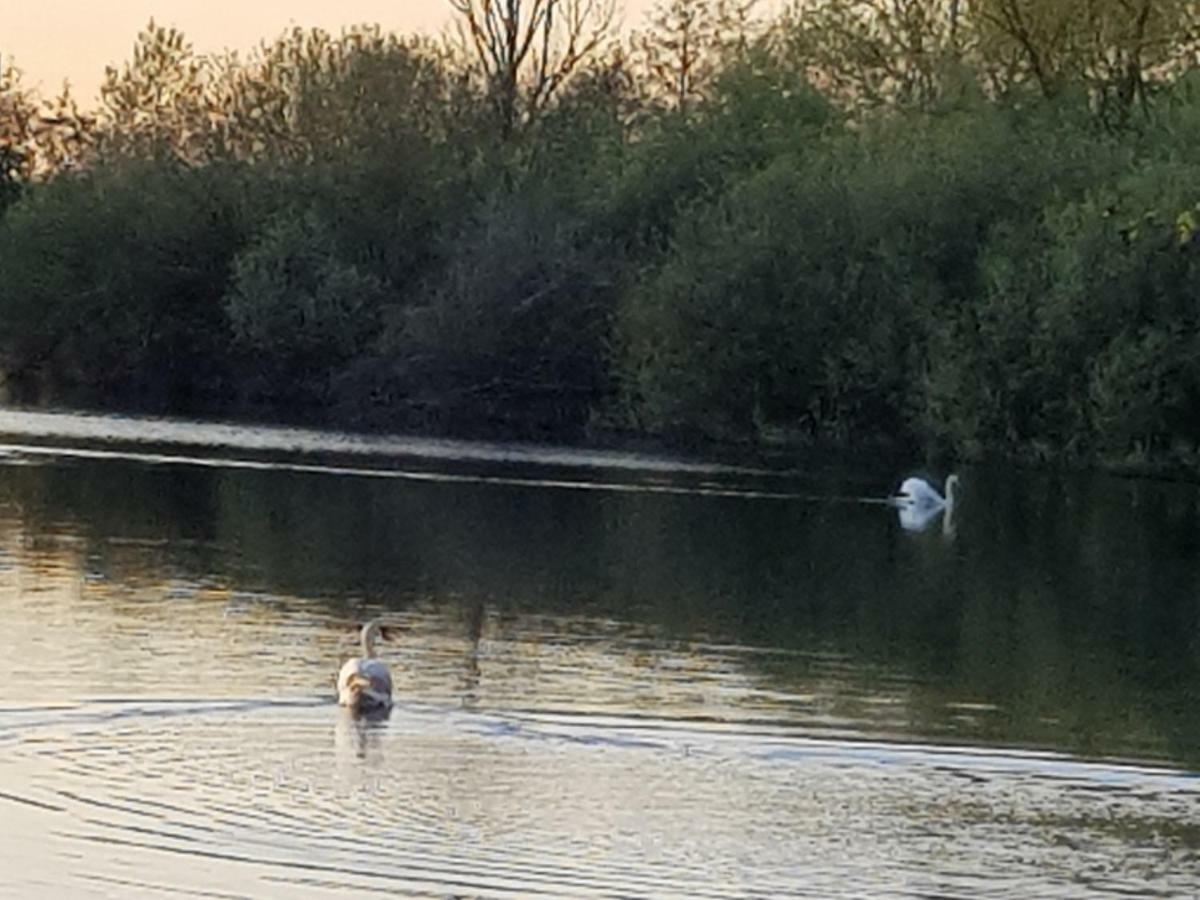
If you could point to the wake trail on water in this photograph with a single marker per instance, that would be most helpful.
(709, 490)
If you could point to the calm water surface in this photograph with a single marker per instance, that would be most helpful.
(619, 676)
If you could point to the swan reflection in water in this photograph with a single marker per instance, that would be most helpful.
(919, 504)
(358, 737)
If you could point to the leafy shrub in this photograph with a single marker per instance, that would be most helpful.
(760, 109)
(296, 309)
(833, 290)
(514, 329)
(113, 279)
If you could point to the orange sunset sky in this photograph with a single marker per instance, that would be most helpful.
(75, 39)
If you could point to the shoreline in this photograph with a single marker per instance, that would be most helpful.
(778, 455)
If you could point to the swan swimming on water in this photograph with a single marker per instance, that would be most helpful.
(919, 492)
(365, 683)
(920, 503)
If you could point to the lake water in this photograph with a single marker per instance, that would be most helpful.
(619, 676)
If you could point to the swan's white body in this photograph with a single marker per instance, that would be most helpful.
(920, 503)
(365, 683)
(919, 492)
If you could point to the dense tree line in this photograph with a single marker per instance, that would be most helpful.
(964, 224)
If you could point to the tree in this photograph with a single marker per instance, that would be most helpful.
(1115, 47)
(879, 51)
(311, 95)
(155, 105)
(527, 49)
(681, 54)
(38, 138)
(16, 112)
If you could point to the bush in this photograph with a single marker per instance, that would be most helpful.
(513, 330)
(113, 280)
(760, 109)
(835, 290)
(296, 310)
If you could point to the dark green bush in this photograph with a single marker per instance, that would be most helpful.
(836, 291)
(987, 270)
(761, 109)
(296, 310)
(514, 327)
(113, 280)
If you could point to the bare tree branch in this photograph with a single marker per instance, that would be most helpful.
(527, 49)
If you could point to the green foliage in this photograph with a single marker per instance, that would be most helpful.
(1082, 339)
(296, 309)
(1124, 323)
(16, 111)
(936, 247)
(822, 292)
(11, 164)
(113, 280)
(761, 108)
(1116, 48)
(514, 329)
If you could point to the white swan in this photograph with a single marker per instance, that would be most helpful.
(919, 492)
(920, 503)
(366, 684)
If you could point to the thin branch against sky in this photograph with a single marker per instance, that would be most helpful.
(53, 40)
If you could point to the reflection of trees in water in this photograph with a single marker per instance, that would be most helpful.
(1064, 605)
(475, 615)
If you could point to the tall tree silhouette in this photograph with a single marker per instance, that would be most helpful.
(527, 49)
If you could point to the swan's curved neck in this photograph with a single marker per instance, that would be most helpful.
(369, 631)
(951, 489)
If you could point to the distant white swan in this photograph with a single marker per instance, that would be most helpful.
(919, 492)
(365, 684)
(919, 504)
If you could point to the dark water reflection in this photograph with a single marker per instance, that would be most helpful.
(600, 692)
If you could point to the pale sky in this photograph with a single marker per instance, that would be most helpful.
(75, 39)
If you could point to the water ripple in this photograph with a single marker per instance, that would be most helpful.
(585, 729)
